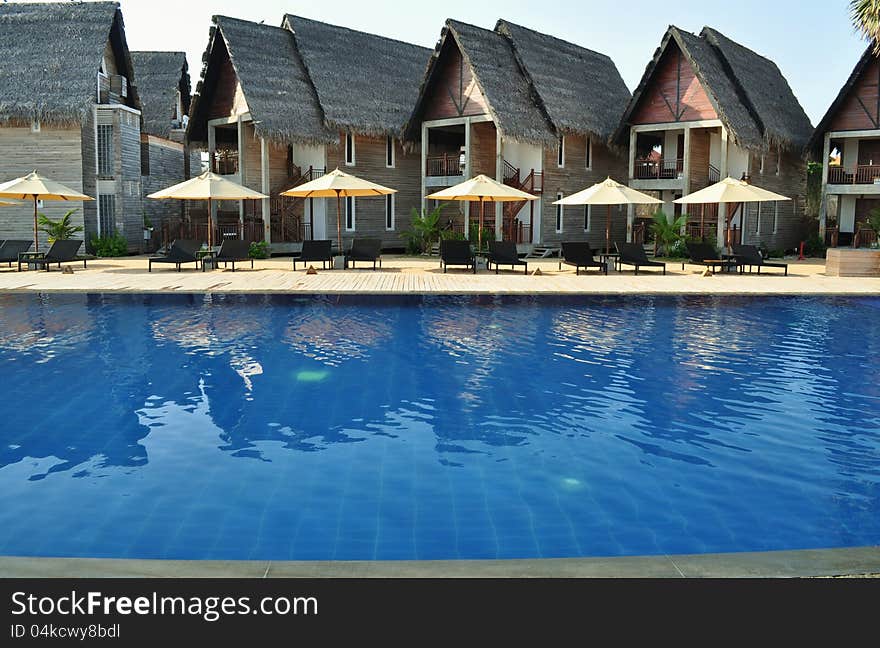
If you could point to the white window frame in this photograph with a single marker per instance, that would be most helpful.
(392, 202)
(560, 213)
(36, 126)
(588, 217)
(758, 220)
(775, 216)
(350, 159)
(761, 165)
(588, 155)
(350, 213)
(560, 152)
(389, 141)
(778, 161)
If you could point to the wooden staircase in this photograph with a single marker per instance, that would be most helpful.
(287, 213)
(533, 183)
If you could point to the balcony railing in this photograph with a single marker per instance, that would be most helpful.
(665, 169)
(225, 162)
(447, 164)
(859, 174)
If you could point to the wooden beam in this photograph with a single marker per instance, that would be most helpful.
(499, 176)
(264, 177)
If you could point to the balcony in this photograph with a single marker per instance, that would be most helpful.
(861, 174)
(441, 166)
(658, 169)
(225, 162)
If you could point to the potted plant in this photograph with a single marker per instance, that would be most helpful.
(61, 229)
(148, 228)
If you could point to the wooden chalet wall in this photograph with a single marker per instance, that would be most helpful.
(454, 91)
(791, 182)
(675, 93)
(699, 159)
(860, 110)
(228, 99)
(165, 167)
(484, 143)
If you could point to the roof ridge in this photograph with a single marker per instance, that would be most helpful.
(556, 38)
(288, 16)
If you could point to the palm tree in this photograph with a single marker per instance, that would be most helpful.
(865, 15)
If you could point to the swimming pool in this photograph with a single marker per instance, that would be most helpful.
(283, 427)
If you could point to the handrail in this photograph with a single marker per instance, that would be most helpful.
(658, 169)
(858, 174)
(714, 174)
(443, 165)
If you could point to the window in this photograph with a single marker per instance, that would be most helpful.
(35, 126)
(105, 150)
(778, 161)
(758, 220)
(106, 214)
(589, 162)
(588, 217)
(349, 213)
(775, 217)
(145, 158)
(559, 212)
(389, 152)
(389, 212)
(560, 152)
(349, 149)
(761, 165)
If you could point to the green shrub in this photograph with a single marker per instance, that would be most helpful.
(424, 230)
(258, 250)
(114, 245)
(61, 229)
(814, 246)
(668, 235)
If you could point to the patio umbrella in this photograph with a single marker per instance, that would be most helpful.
(730, 190)
(608, 192)
(337, 184)
(483, 189)
(208, 186)
(5, 203)
(36, 187)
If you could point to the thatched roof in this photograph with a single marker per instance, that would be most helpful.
(364, 82)
(160, 75)
(273, 79)
(580, 90)
(50, 54)
(817, 140)
(749, 93)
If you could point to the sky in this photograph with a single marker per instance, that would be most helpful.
(812, 41)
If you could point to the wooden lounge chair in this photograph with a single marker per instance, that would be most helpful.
(232, 250)
(504, 253)
(365, 249)
(11, 248)
(179, 252)
(457, 253)
(749, 255)
(314, 251)
(634, 254)
(705, 254)
(61, 251)
(580, 255)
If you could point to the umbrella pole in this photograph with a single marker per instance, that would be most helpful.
(339, 220)
(608, 231)
(480, 231)
(36, 236)
(210, 224)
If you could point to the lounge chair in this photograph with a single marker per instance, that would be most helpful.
(10, 249)
(365, 249)
(504, 253)
(749, 255)
(705, 254)
(634, 254)
(314, 251)
(232, 250)
(61, 251)
(179, 252)
(580, 255)
(454, 252)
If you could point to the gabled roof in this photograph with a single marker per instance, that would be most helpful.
(749, 93)
(817, 139)
(273, 80)
(160, 75)
(580, 90)
(364, 82)
(50, 54)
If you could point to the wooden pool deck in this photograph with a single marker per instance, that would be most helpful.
(422, 275)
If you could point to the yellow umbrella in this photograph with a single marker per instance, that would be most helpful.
(608, 192)
(730, 190)
(208, 186)
(36, 187)
(483, 189)
(339, 185)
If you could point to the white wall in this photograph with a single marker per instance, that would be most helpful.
(850, 156)
(670, 145)
(525, 157)
(715, 149)
(847, 213)
(313, 156)
(737, 161)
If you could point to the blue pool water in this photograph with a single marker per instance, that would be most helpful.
(280, 427)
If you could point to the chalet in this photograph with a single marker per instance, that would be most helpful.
(164, 89)
(278, 106)
(707, 108)
(70, 110)
(528, 109)
(847, 140)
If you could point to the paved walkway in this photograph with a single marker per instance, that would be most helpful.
(402, 274)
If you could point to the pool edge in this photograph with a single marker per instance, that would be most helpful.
(854, 561)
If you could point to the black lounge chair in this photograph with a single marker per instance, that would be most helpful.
(634, 254)
(367, 250)
(232, 250)
(10, 249)
(580, 255)
(179, 252)
(749, 255)
(453, 252)
(705, 254)
(314, 251)
(504, 253)
(61, 251)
